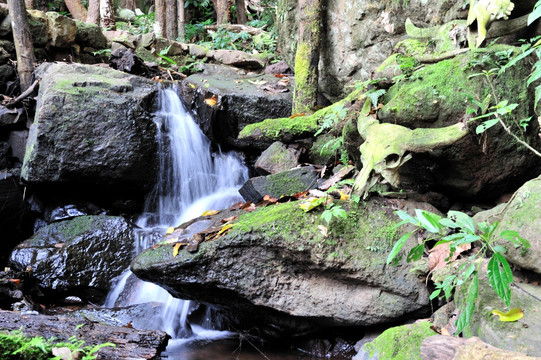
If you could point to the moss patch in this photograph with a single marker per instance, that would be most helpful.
(400, 343)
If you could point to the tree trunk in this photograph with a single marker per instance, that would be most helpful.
(76, 9)
(242, 18)
(171, 23)
(130, 4)
(23, 42)
(93, 14)
(307, 56)
(159, 18)
(180, 15)
(107, 15)
(223, 13)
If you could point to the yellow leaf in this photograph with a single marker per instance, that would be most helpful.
(343, 195)
(175, 249)
(170, 230)
(210, 212)
(512, 315)
(225, 228)
(312, 203)
(212, 100)
(192, 86)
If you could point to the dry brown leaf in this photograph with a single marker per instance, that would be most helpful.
(323, 229)
(438, 254)
(231, 218)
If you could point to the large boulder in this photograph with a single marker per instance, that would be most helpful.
(363, 34)
(288, 272)
(77, 257)
(62, 30)
(234, 101)
(90, 35)
(520, 336)
(93, 127)
(12, 213)
(437, 95)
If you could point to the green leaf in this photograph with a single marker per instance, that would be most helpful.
(537, 96)
(407, 217)
(485, 126)
(435, 294)
(466, 314)
(510, 316)
(463, 220)
(448, 223)
(499, 249)
(397, 247)
(535, 14)
(500, 277)
(428, 220)
(514, 237)
(416, 253)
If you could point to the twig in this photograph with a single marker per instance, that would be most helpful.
(183, 76)
(25, 94)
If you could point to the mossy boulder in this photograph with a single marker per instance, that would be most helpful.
(94, 128)
(398, 343)
(90, 35)
(437, 95)
(77, 257)
(278, 157)
(288, 272)
(520, 336)
(523, 214)
(61, 29)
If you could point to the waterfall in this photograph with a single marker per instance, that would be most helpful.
(191, 180)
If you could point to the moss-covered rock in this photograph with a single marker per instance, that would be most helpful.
(77, 257)
(277, 157)
(398, 343)
(90, 35)
(437, 95)
(522, 335)
(290, 272)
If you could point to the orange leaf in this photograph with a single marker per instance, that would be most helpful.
(212, 100)
(280, 75)
(438, 254)
(297, 115)
(17, 282)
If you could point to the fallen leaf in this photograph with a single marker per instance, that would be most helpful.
(231, 218)
(311, 203)
(212, 100)
(510, 316)
(192, 86)
(170, 230)
(17, 282)
(59, 245)
(225, 228)
(257, 82)
(438, 254)
(297, 115)
(128, 325)
(210, 212)
(175, 249)
(269, 198)
(280, 75)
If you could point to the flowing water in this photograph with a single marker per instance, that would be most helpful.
(192, 179)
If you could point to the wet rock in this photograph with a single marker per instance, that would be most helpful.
(276, 270)
(278, 157)
(239, 101)
(77, 257)
(520, 336)
(10, 288)
(64, 213)
(280, 67)
(62, 30)
(5, 156)
(284, 183)
(12, 213)
(130, 343)
(94, 129)
(8, 116)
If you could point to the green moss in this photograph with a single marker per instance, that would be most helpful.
(400, 343)
(305, 94)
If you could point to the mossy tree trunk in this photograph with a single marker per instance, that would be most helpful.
(23, 42)
(307, 56)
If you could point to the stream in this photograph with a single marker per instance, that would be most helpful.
(192, 179)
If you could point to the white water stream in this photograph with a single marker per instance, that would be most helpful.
(192, 180)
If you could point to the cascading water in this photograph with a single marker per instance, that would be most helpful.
(191, 180)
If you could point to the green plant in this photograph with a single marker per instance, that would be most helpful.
(17, 346)
(455, 230)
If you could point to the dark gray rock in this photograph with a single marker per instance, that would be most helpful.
(94, 128)
(240, 101)
(12, 213)
(280, 184)
(38, 27)
(280, 67)
(17, 141)
(90, 35)
(125, 59)
(278, 157)
(5, 156)
(77, 257)
(277, 270)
